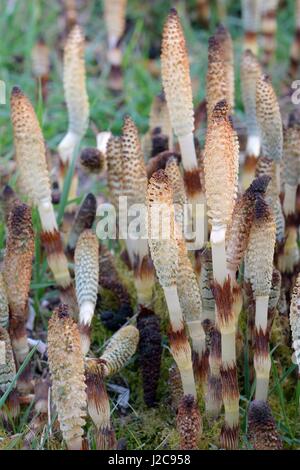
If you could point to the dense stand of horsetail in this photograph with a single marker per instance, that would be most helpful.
(149, 280)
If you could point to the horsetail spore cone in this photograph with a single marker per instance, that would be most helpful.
(191, 304)
(120, 348)
(150, 350)
(262, 431)
(220, 164)
(259, 265)
(295, 321)
(216, 86)
(19, 253)
(164, 252)
(239, 230)
(250, 73)
(189, 423)
(31, 162)
(7, 362)
(269, 119)
(67, 375)
(75, 94)
(178, 91)
(86, 278)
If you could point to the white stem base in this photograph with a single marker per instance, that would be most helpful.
(2, 353)
(67, 146)
(197, 335)
(188, 152)
(175, 312)
(261, 312)
(102, 140)
(217, 239)
(47, 216)
(262, 387)
(289, 203)
(228, 348)
(253, 146)
(188, 382)
(86, 312)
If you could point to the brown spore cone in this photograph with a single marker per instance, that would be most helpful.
(150, 349)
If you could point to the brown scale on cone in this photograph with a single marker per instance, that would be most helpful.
(216, 86)
(92, 160)
(262, 431)
(67, 375)
(220, 164)
(176, 76)
(223, 36)
(114, 158)
(269, 119)
(268, 29)
(188, 423)
(150, 350)
(83, 220)
(238, 232)
(19, 252)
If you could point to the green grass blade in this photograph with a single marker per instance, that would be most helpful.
(24, 364)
